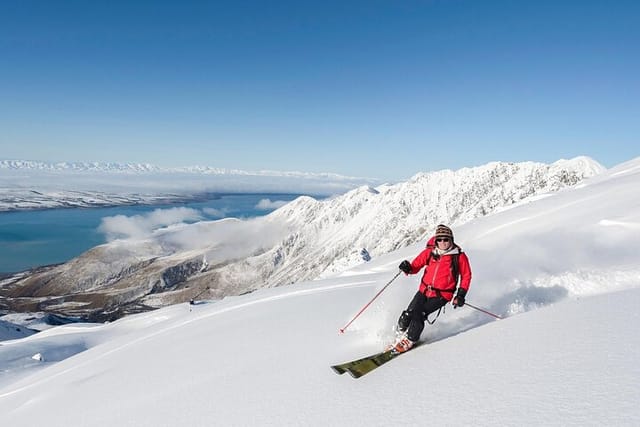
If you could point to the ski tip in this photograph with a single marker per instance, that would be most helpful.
(338, 370)
(341, 331)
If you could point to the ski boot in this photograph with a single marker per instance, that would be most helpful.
(401, 344)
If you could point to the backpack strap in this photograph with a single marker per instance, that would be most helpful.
(431, 322)
(455, 266)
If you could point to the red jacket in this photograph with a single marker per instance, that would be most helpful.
(438, 274)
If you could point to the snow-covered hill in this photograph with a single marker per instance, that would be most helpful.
(564, 270)
(303, 240)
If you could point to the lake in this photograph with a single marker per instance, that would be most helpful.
(34, 238)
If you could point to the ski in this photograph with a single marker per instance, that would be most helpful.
(360, 367)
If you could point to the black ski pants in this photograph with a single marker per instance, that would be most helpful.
(412, 319)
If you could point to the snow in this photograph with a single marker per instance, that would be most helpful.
(564, 270)
(9, 330)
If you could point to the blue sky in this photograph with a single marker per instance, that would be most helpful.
(381, 89)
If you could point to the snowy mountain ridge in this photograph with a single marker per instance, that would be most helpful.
(304, 240)
(393, 216)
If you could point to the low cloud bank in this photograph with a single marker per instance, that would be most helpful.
(142, 226)
(268, 204)
(184, 229)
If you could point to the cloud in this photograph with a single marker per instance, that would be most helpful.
(267, 204)
(140, 226)
(214, 213)
(224, 239)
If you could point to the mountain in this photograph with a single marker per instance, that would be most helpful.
(562, 269)
(304, 240)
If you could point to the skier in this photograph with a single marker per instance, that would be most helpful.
(444, 261)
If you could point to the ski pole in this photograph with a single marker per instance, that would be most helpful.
(369, 303)
(193, 300)
(482, 310)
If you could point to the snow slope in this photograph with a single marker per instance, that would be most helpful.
(9, 330)
(564, 270)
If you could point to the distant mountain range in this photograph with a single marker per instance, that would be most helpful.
(26, 184)
(142, 168)
(78, 166)
(303, 240)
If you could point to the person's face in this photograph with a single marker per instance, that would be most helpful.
(443, 243)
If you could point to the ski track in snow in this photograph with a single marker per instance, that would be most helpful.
(547, 213)
(154, 319)
(623, 224)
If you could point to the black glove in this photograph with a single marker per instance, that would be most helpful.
(405, 266)
(458, 301)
